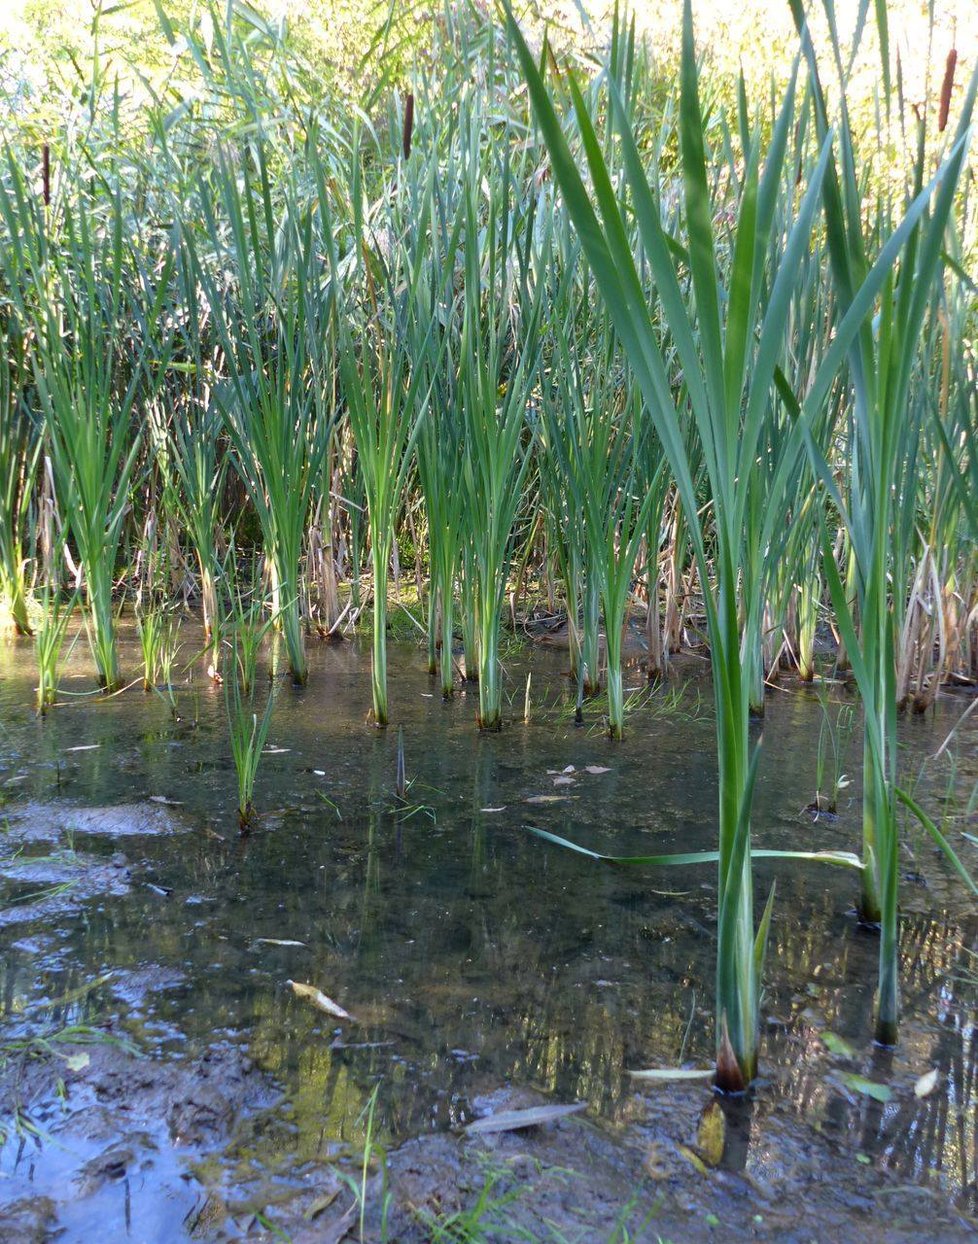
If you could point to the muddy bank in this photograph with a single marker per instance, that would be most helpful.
(579, 1179)
(100, 1141)
(159, 1150)
(56, 858)
(58, 822)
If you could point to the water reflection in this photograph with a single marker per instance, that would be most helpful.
(470, 953)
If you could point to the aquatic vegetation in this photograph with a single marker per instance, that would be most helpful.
(729, 374)
(833, 741)
(495, 392)
(385, 409)
(89, 291)
(50, 633)
(539, 345)
(149, 628)
(268, 398)
(882, 365)
(248, 735)
(20, 448)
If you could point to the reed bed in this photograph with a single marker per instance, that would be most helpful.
(561, 339)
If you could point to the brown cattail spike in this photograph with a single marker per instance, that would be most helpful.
(46, 174)
(408, 123)
(946, 86)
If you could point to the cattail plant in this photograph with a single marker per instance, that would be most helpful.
(88, 302)
(50, 632)
(20, 447)
(729, 371)
(598, 430)
(881, 365)
(272, 328)
(248, 734)
(497, 365)
(385, 407)
(149, 628)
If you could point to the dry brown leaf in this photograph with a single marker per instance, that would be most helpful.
(319, 999)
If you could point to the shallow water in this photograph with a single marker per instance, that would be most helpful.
(471, 953)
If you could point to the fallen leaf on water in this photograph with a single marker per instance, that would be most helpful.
(547, 799)
(868, 1088)
(170, 803)
(927, 1083)
(77, 1062)
(318, 998)
(563, 781)
(277, 941)
(502, 809)
(84, 747)
(276, 751)
(711, 1135)
(513, 1120)
(596, 769)
(694, 1158)
(674, 1073)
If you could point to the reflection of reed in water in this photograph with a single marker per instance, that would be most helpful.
(924, 1139)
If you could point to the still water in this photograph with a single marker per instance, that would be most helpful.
(471, 953)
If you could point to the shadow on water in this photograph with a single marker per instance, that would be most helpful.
(471, 954)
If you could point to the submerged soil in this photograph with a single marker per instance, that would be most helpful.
(160, 1079)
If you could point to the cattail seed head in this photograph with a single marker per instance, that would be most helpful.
(946, 86)
(408, 123)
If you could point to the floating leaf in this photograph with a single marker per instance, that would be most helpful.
(277, 941)
(170, 803)
(596, 769)
(837, 1045)
(547, 799)
(318, 998)
(711, 1135)
(84, 747)
(868, 1088)
(927, 1083)
(514, 1120)
(501, 809)
(563, 781)
(77, 1062)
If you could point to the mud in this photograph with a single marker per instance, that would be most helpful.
(45, 872)
(102, 1140)
(56, 822)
